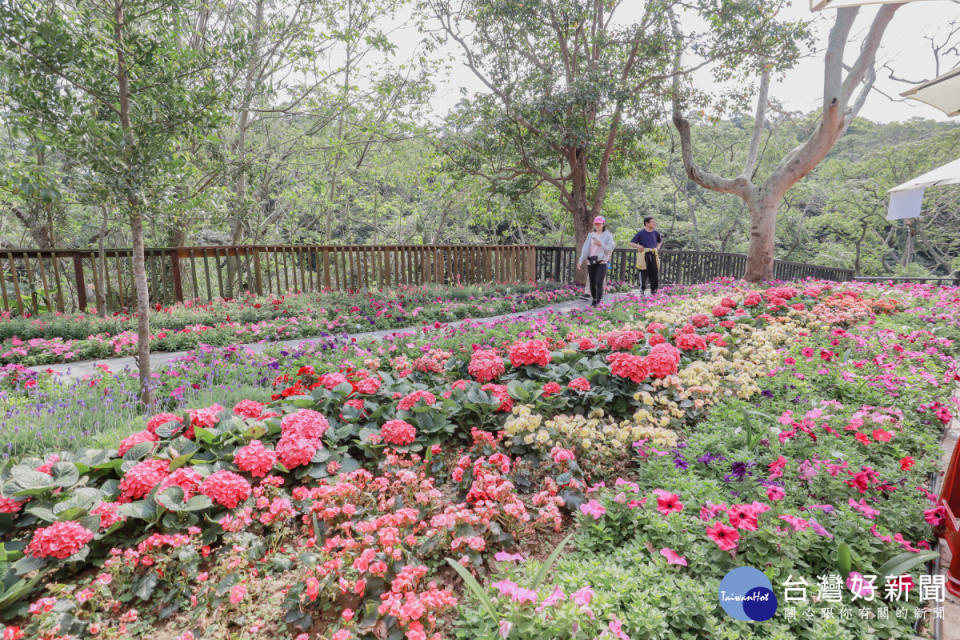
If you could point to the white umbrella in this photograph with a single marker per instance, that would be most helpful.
(942, 92)
(907, 198)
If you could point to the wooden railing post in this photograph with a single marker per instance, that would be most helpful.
(81, 285)
(175, 275)
(258, 276)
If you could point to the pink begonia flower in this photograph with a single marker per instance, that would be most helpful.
(673, 557)
(593, 508)
(503, 556)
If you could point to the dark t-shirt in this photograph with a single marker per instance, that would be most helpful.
(648, 239)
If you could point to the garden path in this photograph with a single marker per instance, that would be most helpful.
(79, 369)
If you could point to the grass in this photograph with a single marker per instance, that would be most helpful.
(63, 417)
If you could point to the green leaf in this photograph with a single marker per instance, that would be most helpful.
(147, 585)
(205, 435)
(171, 498)
(548, 564)
(138, 451)
(905, 561)
(475, 588)
(307, 402)
(198, 503)
(843, 559)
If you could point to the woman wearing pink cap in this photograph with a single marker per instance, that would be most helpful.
(596, 252)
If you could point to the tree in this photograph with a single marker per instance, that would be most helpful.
(112, 83)
(841, 102)
(575, 87)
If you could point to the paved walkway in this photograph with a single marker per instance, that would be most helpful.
(158, 359)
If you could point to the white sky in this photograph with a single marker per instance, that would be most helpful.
(904, 48)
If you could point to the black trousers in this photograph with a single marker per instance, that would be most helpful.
(651, 274)
(596, 272)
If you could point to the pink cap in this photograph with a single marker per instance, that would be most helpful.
(599, 220)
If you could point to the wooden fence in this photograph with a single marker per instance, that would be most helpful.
(677, 267)
(39, 281)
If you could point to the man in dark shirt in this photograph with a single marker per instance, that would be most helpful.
(648, 241)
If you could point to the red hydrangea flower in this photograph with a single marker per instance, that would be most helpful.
(140, 436)
(585, 344)
(10, 505)
(142, 478)
(226, 488)
(249, 409)
(368, 386)
(690, 341)
(499, 391)
(295, 450)
(653, 327)
(162, 418)
(623, 340)
(305, 423)
(486, 365)
(580, 384)
(398, 432)
(185, 478)
(700, 320)
(59, 540)
(752, 300)
(654, 339)
(529, 352)
(663, 360)
(255, 459)
(411, 399)
(729, 302)
(332, 380)
(629, 366)
(551, 388)
(108, 513)
(206, 417)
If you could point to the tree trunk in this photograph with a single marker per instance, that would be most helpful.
(763, 223)
(143, 309)
(136, 221)
(582, 225)
(102, 298)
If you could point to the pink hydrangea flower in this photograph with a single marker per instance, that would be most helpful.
(255, 459)
(59, 540)
(226, 488)
(136, 438)
(398, 432)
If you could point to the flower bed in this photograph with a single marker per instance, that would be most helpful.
(67, 338)
(791, 429)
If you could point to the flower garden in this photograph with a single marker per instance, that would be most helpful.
(584, 475)
(60, 337)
